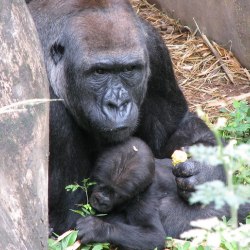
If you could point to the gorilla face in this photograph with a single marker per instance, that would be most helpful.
(105, 75)
(121, 173)
(104, 198)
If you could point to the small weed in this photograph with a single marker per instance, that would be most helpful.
(238, 123)
(68, 240)
(84, 209)
(62, 242)
(175, 244)
(238, 128)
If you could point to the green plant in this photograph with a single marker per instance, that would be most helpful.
(62, 242)
(176, 244)
(214, 232)
(84, 209)
(238, 123)
(238, 127)
(68, 240)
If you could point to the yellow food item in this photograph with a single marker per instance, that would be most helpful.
(178, 156)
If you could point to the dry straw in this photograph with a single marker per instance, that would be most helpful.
(209, 75)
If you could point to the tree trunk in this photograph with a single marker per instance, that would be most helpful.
(23, 132)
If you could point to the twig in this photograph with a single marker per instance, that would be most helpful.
(247, 73)
(229, 100)
(216, 54)
(20, 106)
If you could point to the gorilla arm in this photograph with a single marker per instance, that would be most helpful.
(94, 229)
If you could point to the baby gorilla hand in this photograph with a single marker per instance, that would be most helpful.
(191, 173)
(91, 229)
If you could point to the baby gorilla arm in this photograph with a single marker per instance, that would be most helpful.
(148, 236)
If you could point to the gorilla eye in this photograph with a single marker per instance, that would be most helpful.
(129, 68)
(56, 52)
(100, 71)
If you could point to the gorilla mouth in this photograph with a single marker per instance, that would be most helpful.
(118, 129)
(101, 208)
(117, 134)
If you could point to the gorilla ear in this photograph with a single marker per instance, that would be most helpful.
(56, 52)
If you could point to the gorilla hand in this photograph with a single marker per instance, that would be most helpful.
(92, 229)
(191, 173)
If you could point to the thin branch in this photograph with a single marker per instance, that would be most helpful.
(20, 106)
(216, 54)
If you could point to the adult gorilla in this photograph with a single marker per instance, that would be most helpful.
(115, 77)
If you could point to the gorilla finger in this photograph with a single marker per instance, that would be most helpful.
(80, 221)
(186, 169)
(186, 184)
(184, 194)
(83, 222)
(82, 234)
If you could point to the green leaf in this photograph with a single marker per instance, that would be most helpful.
(229, 246)
(69, 240)
(106, 245)
(72, 238)
(78, 212)
(207, 248)
(186, 245)
(85, 211)
(200, 248)
(91, 183)
(53, 245)
(248, 219)
(72, 187)
(97, 246)
(100, 215)
(86, 247)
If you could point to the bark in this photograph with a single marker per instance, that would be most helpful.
(23, 132)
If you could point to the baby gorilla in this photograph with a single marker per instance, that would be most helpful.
(125, 188)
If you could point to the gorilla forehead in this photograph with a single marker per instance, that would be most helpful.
(106, 32)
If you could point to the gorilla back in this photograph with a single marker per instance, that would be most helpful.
(115, 77)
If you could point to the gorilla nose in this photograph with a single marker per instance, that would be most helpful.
(117, 109)
(117, 105)
(100, 204)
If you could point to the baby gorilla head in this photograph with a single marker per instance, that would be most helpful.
(121, 173)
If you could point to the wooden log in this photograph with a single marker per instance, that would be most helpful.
(23, 132)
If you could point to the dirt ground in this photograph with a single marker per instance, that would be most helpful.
(198, 67)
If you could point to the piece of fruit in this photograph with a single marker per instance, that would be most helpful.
(178, 156)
